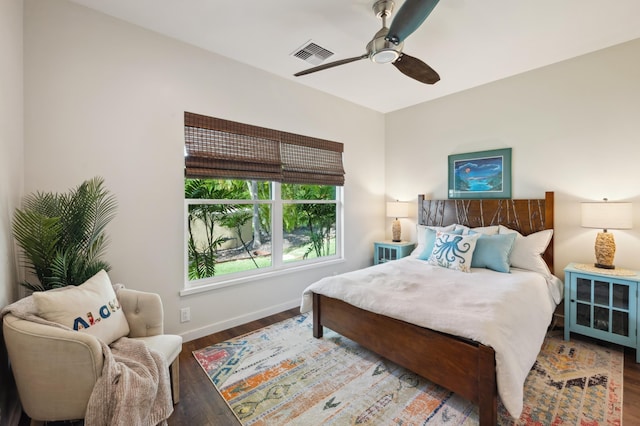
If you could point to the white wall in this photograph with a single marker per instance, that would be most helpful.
(574, 128)
(11, 139)
(103, 97)
(11, 178)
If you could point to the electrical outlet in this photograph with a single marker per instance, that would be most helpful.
(185, 314)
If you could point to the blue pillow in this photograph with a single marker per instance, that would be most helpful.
(430, 240)
(492, 252)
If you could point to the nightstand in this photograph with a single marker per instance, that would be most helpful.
(384, 251)
(602, 304)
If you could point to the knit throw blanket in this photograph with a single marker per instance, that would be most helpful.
(134, 386)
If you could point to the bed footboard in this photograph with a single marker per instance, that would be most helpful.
(464, 367)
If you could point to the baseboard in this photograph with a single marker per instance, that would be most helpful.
(233, 322)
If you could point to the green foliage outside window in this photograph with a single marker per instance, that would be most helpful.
(318, 220)
(310, 225)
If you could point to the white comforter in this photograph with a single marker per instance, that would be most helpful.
(509, 312)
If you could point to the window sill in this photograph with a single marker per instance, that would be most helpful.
(206, 287)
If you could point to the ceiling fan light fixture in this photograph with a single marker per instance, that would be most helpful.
(385, 56)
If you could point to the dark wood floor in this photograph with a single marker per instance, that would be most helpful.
(200, 404)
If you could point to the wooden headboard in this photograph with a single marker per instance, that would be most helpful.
(525, 216)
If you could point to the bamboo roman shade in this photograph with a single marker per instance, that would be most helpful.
(310, 160)
(224, 149)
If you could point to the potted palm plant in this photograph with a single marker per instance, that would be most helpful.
(62, 236)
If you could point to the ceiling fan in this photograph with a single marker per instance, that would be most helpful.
(386, 45)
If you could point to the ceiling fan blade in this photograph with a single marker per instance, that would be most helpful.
(331, 65)
(409, 17)
(416, 69)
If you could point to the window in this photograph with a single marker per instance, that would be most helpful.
(258, 200)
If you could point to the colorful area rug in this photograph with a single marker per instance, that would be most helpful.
(282, 375)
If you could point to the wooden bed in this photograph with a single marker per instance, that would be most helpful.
(463, 366)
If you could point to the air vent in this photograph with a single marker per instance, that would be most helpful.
(312, 53)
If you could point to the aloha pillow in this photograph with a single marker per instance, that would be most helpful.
(453, 251)
(492, 252)
(527, 251)
(91, 307)
(421, 231)
(430, 239)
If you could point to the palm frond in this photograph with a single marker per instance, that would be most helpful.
(38, 236)
(62, 236)
(45, 203)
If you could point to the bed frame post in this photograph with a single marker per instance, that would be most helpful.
(317, 326)
(548, 210)
(487, 387)
(548, 224)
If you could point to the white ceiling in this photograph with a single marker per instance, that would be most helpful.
(468, 42)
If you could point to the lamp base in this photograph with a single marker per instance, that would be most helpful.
(597, 265)
(395, 231)
(605, 249)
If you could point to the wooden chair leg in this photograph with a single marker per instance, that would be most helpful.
(174, 377)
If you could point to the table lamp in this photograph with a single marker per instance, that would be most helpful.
(397, 209)
(606, 216)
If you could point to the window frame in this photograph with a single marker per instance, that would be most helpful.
(278, 266)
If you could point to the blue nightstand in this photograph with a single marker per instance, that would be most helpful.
(602, 304)
(384, 251)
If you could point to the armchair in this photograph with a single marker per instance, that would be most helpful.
(55, 369)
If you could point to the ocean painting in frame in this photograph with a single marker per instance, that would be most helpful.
(482, 174)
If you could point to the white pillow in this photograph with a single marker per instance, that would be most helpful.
(527, 251)
(91, 307)
(485, 230)
(421, 236)
(453, 251)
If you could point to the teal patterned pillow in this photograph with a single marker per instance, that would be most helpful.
(430, 240)
(453, 251)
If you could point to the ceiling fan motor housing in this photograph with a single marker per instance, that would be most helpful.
(382, 51)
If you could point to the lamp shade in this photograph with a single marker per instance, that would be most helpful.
(397, 209)
(606, 215)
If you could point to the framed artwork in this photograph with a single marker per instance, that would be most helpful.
(482, 174)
